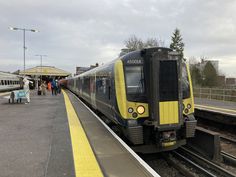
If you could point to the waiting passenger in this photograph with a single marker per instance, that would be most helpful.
(26, 89)
(43, 87)
(49, 86)
(54, 87)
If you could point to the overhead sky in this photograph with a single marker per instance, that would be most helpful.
(84, 32)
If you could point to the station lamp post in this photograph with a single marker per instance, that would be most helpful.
(41, 62)
(24, 30)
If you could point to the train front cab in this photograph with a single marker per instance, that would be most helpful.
(154, 114)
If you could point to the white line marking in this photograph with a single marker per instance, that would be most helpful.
(215, 111)
(141, 161)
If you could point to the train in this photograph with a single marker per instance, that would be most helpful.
(9, 82)
(146, 96)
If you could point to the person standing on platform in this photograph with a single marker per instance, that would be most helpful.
(49, 86)
(54, 89)
(26, 89)
(43, 87)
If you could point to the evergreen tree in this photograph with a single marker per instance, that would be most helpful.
(177, 43)
(209, 75)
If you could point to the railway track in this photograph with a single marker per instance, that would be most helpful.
(229, 158)
(204, 165)
(226, 138)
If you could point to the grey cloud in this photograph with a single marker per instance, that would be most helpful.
(85, 32)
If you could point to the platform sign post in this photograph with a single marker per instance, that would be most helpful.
(24, 47)
(41, 67)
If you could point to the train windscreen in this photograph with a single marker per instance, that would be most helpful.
(134, 77)
(185, 82)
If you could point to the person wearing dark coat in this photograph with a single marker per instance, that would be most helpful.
(54, 87)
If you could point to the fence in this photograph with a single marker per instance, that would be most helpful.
(215, 93)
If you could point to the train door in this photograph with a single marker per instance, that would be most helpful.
(164, 93)
(93, 90)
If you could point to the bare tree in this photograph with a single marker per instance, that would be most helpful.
(134, 43)
(151, 42)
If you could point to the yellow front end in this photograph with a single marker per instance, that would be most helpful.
(128, 110)
(169, 112)
(188, 103)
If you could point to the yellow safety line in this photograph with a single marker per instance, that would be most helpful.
(85, 162)
(210, 107)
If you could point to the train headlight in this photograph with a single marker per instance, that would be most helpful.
(189, 106)
(130, 110)
(140, 109)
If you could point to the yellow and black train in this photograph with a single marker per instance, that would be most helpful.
(146, 95)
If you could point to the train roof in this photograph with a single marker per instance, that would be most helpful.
(7, 75)
(134, 54)
(139, 53)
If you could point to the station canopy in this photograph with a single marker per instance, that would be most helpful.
(45, 71)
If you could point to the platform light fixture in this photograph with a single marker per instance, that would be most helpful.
(24, 30)
(41, 63)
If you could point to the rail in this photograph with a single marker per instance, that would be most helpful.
(215, 93)
(208, 165)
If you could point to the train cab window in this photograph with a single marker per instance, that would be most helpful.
(185, 82)
(134, 77)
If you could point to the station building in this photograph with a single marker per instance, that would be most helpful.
(44, 73)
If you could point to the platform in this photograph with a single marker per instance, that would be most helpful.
(217, 106)
(38, 140)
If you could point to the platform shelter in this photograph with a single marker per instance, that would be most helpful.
(45, 73)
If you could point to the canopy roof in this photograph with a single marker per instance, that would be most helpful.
(45, 71)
